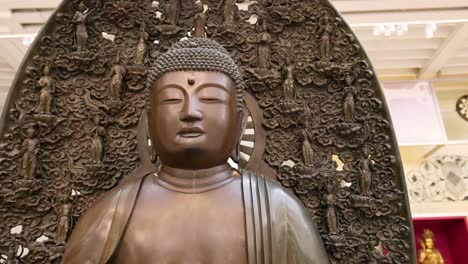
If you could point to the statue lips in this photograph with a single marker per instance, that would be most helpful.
(190, 132)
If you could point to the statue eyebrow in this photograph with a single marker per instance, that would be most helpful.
(172, 85)
(212, 85)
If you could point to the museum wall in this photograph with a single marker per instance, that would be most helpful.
(451, 141)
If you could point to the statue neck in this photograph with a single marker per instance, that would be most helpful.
(195, 181)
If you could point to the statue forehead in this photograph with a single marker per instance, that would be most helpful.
(181, 78)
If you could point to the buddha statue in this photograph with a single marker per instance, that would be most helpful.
(429, 254)
(195, 207)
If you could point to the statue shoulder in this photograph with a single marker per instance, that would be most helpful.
(275, 190)
(422, 256)
(90, 231)
(107, 215)
(278, 191)
(439, 256)
(105, 201)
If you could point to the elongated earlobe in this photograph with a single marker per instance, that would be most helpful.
(235, 156)
(236, 153)
(152, 153)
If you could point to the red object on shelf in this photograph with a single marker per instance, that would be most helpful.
(451, 236)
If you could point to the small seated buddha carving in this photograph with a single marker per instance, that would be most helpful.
(429, 254)
(196, 208)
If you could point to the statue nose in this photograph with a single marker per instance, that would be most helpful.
(190, 112)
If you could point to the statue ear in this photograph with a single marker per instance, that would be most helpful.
(145, 150)
(152, 153)
(235, 156)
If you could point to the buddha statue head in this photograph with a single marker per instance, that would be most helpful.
(196, 110)
(428, 239)
(199, 6)
(82, 7)
(30, 132)
(46, 70)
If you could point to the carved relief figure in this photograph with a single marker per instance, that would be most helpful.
(11, 258)
(142, 49)
(46, 98)
(199, 21)
(171, 13)
(330, 212)
(289, 92)
(263, 52)
(118, 72)
(429, 254)
(97, 133)
(307, 152)
(81, 33)
(325, 41)
(63, 225)
(366, 176)
(325, 47)
(348, 106)
(196, 120)
(229, 10)
(29, 161)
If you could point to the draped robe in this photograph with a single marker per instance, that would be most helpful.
(278, 228)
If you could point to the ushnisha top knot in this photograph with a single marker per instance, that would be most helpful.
(197, 54)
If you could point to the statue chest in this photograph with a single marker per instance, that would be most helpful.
(173, 227)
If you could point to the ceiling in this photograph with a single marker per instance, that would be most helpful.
(409, 56)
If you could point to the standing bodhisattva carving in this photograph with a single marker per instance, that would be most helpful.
(46, 96)
(81, 34)
(199, 21)
(117, 81)
(30, 160)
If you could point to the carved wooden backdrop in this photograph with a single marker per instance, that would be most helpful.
(68, 128)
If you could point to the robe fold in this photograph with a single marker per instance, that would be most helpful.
(279, 230)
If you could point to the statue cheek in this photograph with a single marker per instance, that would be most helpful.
(166, 115)
(164, 125)
(221, 118)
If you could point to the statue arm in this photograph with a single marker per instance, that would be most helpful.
(304, 240)
(90, 234)
(441, 259)
(422, 257)
(75, 17)
(87, 12)
(100, 228)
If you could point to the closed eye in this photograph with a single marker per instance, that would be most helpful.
(211, 100)
(171, 101)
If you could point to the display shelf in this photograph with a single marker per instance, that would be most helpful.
(451, 236)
